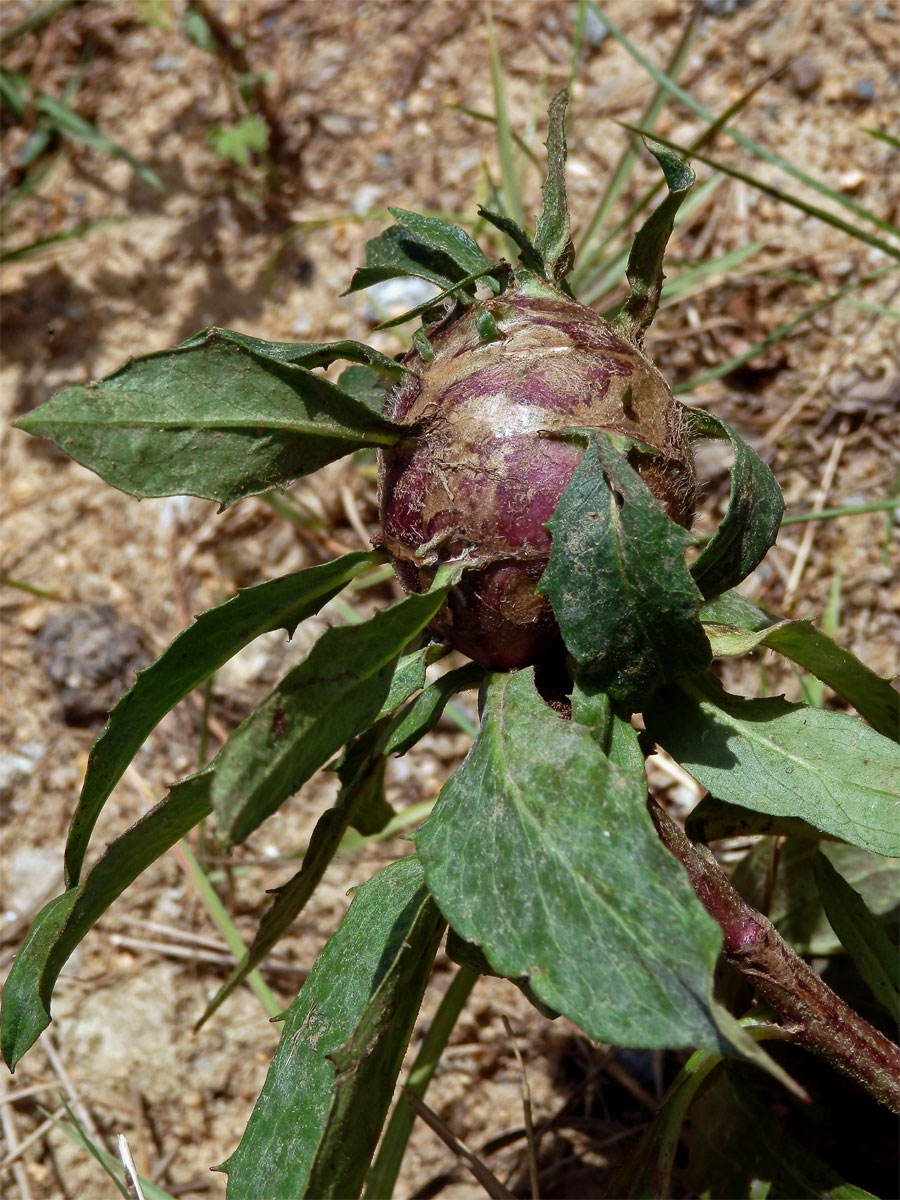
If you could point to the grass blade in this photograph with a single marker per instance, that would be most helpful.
(629, 156)
(778, 334)
(760, 151)
(811, 210)
(512, 199)
(386, 1167)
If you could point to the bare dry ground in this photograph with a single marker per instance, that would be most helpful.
(362, 101)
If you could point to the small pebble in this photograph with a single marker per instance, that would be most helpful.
(805, 74)
(865, 90)
(595, 31)
(852, 180)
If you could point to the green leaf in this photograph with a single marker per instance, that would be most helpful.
(214, 638)
(303, 354)
(62, 923)
(365, 385)
(362, 779)
(445, 238)
(540, 850)
(426, 247)
(507, 225)
(212, 419)
(239, 141)
(423, 713)
(713, 819)
(334, 694)
(751, 523)
(861, 934)
(616, 577)
(648, 1171)
(553, 237)
(433, 301)
(795, 906)
(409, 677)
(828, 768)
(740, 1147)
(316, 1123)
(735, 623)
(645, 262)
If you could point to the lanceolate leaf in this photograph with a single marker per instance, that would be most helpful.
(314, 1128)
(422, 714)
(553, 238)
(64, 921)
(214, 638)
(334, 694)
(541, 851)
(645, 262)
(861, 934)
(304, 354)
(735, 624)
(827, 768)
(750, 525)
(446, 238)
(213, 419)
(507, 225)
(621, 592)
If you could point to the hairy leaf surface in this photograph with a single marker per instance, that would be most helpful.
(317, 1120)
(540, 850)
(617, 580)
(213, 419)
(830, 769)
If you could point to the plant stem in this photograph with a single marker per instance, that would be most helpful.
(810, 1013)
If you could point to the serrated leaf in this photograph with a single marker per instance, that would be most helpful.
(213, 419)
(540, 850)
(617, 580)
(830, 769)
(423, 713)
(735, 617)
(752, 520)
(315, 1125)
(304, 354)
(426, 247)
(553, 236)
(214, 638)
(335, 693)
(62, 923)
(645, 262)
(530, 258)
(861, 934)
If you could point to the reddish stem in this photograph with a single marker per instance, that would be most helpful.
(811, 1014)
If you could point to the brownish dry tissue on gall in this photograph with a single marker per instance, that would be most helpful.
(483, 472)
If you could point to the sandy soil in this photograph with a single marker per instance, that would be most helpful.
(362, 100)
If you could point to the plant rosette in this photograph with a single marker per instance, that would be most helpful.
(536, 491)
